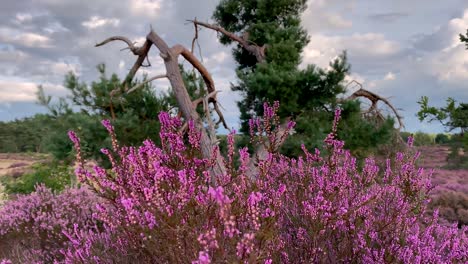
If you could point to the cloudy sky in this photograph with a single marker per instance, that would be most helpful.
(398, 49)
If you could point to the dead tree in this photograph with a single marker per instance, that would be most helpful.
(374, 98)
(254, 49)
(187, 107)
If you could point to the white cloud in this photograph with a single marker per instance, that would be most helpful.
(390, 76)
(337, 21)
(33, 40)
(54, 27)
(458, 25)
(327, 15)
(449, 63)
(322, 48)
(23, 17)
(97, 21)
(146, 7)
(216, 59)
(12, 56)
(62, 68)
(24, 91)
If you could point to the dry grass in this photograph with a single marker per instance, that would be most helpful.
(16, 164)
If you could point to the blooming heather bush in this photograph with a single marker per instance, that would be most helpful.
(314, 209)
(33, 227)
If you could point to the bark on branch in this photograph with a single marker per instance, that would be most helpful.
(257, 51)
(141, 52)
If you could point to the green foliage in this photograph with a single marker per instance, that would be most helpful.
(362, 136)
(464, 38)
(308, 95)
(423, 139)
(25, 135)
(420, 138)
(55, 176)
(275, 23)
(457, 158)
(442, 138)
(134, 115)
(452, 116)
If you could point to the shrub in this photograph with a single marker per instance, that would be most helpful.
(316, 208)
(54, 176)
(442, 139)
(423, 139)
(160, 206)
(453, 206)
(3, 195)
(33, 227)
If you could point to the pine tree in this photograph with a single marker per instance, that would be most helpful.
(308, 95)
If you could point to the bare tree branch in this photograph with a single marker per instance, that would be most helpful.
(147, 81)
(141, 52)
(374, 98)
(257, 51)
(179, 49)
(130, 44)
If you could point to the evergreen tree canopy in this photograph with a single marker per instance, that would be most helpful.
(309, 95)
(134, 115)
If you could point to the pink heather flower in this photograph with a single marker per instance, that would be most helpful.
(194, 135)
(203, 258)
(254, 198)
(150, 219)
(291, 210)
(410, 141)
(245, 246)
(107, 124)
(268, 111)
(291, 124)
(218, 195)
(127, 203)
(208, 240)
(74, 138)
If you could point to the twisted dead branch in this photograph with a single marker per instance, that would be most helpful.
(170, 56)
(257, 51)
(374, 98)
